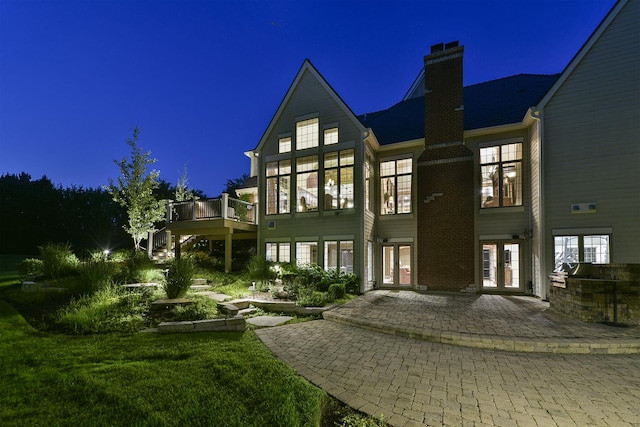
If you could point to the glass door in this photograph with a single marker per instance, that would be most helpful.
(501, 266)
(396, 265)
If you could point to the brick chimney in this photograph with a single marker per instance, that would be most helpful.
(445, 178)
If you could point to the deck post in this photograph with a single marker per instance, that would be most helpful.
(178, 247)
(168, 214)
(195, 209)
(228, 245)
(225, 205)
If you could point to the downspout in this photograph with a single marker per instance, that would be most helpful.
(538, 116)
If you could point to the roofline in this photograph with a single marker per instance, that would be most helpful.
(414, 85)
(308, 66)
(582, 52)
(402, 144)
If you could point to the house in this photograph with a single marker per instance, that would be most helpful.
(484, 188)
(480, 188)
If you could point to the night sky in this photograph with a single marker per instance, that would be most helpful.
(202, 79)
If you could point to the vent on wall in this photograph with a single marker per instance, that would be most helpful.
(582, 208)
(271, 225)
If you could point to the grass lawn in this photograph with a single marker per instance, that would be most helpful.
(142, 379)
(146, 379)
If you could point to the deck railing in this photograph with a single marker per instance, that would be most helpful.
(222, 207)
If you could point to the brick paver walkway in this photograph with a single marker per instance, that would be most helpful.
(417, 382)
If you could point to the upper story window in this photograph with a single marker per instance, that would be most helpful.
(338, 180)
(284, 145)
(278, 185)
(307, 183)
(307, 134)
(330, 136)
(395, 186)
(501, 170)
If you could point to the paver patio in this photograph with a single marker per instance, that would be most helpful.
(416, 382)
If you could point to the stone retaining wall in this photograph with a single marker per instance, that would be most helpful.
(235, 323)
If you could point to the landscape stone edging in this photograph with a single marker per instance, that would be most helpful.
(281, 306)
(235, 323)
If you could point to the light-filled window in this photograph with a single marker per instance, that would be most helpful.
(338, 180)
(501, 170)
(278, 252)
(368, 183)
(306, 253)
(307, 183)
(339, 255)
(307, 134)
(582, 248)
(278, 187)
(395, 186)
(284, 145)
(330, 136)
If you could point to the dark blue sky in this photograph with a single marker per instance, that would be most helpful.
(202, 79)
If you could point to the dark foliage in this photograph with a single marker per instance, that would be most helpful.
(35, 212)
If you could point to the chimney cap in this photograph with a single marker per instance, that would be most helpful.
(439, 47)
(443, 47)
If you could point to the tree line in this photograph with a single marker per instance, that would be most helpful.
(36, 212)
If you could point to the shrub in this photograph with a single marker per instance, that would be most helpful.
(309, 298)
(30, 268)
(203, 260)
(95, 275)
(336, 291)
(351, 283)
(179, 277)
(58, 260)
(135, 267)
(202, 308)
(261, 272)
(359, 420)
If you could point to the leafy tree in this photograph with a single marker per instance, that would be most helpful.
(182, 190)
(134, 191)
(233, 184)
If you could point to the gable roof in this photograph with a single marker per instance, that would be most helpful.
(307, 67)
(493, 103)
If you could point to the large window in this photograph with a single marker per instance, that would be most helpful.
(368, 182)
(501, 169)
(395, 186)
(582, 248)
(278, 252)
(306, 253)
(307, 134)
(278, 184)
(307, 183)
(338, 255)
(338, 180)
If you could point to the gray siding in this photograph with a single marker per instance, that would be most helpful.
(309, 97)
(591, 134)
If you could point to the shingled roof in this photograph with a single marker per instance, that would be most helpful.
(493, 103)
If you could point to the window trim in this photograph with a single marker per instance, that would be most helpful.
(500, 197)
(395, 175)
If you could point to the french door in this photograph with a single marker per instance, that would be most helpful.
(501, 266)
(396, 265)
